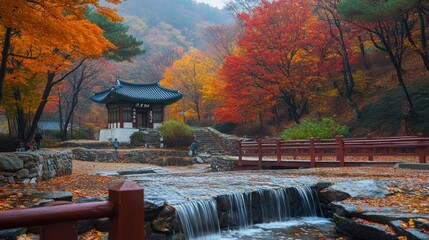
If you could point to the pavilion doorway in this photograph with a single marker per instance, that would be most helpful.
(142, 119)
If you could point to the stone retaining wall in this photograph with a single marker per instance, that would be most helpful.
(149, 156)
(222, 164)
(228, 142)
(29, 167)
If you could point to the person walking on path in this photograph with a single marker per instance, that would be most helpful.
(115, 144)
(193, 149)
(37, 138)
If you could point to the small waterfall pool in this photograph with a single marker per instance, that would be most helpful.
(307, 228)
(285, 213)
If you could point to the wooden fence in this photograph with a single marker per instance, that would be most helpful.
(125, 209)
(278, 152)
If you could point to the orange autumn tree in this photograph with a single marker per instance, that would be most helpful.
(194, 75)
(52, 23)
(283, 56)
(45, 41)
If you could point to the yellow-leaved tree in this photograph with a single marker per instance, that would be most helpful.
(195, 75)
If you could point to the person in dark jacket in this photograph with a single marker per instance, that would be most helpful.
(37, 138)
(193, 149)
(115, 144)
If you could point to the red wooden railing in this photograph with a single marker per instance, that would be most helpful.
(272, 152)
(125, 209)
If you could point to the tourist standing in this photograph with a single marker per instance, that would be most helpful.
(115, 144)
(37, 138)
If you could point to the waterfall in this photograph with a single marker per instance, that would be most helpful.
(310, 202)
(238, 212)
(241, 210)
(198, 219)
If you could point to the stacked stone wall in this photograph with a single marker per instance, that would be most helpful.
(30, 167)
(147, 156)
(228, 142)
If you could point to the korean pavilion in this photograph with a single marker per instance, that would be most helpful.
(133, 106)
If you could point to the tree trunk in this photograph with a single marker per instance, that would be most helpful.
(412, 112)
(4, 57)
(293, 108)
(366, 65)
(20, 118)
(40, 108)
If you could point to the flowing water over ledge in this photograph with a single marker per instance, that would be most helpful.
(242, 205)
(273, 210)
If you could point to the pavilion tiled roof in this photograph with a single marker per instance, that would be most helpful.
(137, 92)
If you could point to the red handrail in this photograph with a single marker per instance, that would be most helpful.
(339, 147)
(125, 210)
(48, 215)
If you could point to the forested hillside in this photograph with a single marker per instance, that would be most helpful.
(259, 67)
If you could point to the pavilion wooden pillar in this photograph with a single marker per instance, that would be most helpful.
(121, 116)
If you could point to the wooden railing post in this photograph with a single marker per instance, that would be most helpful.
(128, 218)
(319, 155)
(259, 153)
(421, 151)
(370, 150)
(61, 230)
(340, 151)
(279, 154)
(312, 153)
(240, 153)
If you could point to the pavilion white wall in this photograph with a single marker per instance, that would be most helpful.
(122, 134)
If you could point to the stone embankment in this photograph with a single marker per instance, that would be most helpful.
(29, 167)
(158, 157)
(345, 203)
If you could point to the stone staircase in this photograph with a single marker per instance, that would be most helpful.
(207, 142)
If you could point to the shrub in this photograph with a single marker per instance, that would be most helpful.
(226, 127)
(137, 139)
(327, 128)
(176, 134)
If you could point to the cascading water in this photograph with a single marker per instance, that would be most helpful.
(241, 210)
(198, 219)
(238, 213)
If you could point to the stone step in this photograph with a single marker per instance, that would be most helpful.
(207, 143)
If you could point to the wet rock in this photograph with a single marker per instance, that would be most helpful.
(23, 173)
(361, 231)
(410, 233)
(152, 207)
(422, 224)
(56, 196)
(361, 189)
(164, 222)
(10, 163)
(90, 199)
(131, 172)
(84, 226)
(179, 236)
(102, 224)
(384, 216)
(198, 160)
(40, 203)
(11, 234)
(322, 185)
(156, 236)
(330, 195)
(11, 180)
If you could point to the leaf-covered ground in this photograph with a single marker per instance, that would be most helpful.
(409, 188)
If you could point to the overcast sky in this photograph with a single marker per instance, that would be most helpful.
(214, 3)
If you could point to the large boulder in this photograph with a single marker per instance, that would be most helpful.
(359, 189)
(362, 231)
(10, 164)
